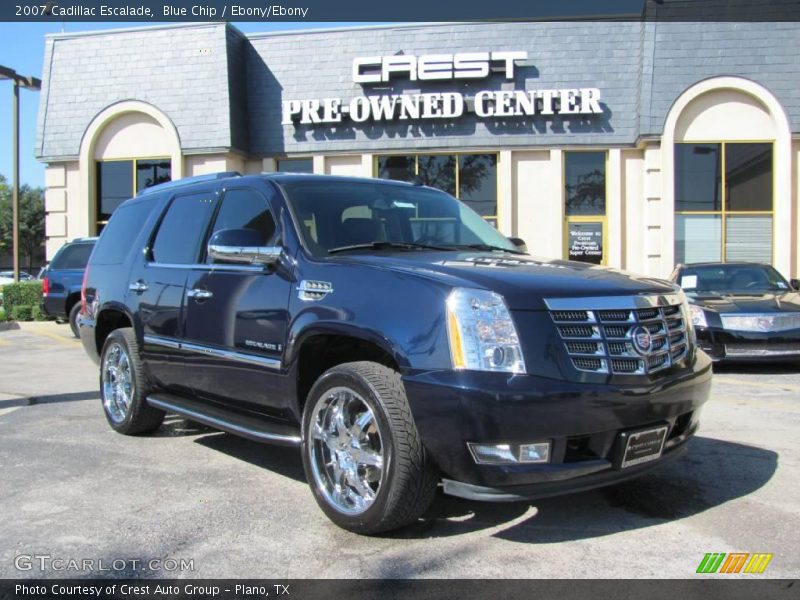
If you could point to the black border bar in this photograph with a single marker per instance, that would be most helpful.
(728, 588)
(153, 11)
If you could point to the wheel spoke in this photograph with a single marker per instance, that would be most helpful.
(331, 441)
(364, 491)
(359, 428)
(339, 418)
(368, 458)
(355, 498)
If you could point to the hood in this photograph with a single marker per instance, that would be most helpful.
(523, 281)
(767, 302)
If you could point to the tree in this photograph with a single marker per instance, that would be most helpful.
(31, 220)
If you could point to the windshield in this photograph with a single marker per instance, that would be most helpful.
(335, 217)
(731, 278)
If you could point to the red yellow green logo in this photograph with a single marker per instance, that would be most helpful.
(734, 562)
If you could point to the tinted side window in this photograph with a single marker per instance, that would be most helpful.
(72, 257)
(182, 228)
(119, 235)
(246, 209)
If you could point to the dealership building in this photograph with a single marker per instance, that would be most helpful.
(636, 144)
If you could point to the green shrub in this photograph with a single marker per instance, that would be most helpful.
(22, 312)
(24, 293)
(38, 314)
(2, 314)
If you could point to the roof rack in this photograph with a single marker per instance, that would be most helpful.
(188, 180)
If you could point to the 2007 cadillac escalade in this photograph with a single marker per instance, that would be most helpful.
(392, 334)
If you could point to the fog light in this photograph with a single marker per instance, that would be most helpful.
(508, 454)
(534, 453)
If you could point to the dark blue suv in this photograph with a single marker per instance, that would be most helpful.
(392, 334)
(62, 279)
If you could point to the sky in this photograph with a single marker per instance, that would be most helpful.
(22, 49)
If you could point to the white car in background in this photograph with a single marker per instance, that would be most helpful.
(8, 277)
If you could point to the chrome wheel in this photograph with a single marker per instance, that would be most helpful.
(117, 382)
(346, 451)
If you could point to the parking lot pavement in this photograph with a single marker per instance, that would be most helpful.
(73, 489)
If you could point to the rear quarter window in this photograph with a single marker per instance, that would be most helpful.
(118, 237)
(74, 256)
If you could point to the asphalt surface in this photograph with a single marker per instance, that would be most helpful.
(72, 489)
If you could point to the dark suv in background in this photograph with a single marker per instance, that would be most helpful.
(62, 279)
(392, 334)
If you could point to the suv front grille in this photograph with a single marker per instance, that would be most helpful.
(604, 340)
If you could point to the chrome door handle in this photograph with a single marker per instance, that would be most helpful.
(199, 294)
(138, 287)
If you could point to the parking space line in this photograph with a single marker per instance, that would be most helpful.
(53, 336)
(4, 342)
(777, 386)
(5, 411)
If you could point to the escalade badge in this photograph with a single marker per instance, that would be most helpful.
(642, 341)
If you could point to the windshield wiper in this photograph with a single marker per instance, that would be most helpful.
(487, 247)
(384, 245)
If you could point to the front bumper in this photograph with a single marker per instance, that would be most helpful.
(729, 346)
(582, 422)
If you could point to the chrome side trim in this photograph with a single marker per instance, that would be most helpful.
(612, 302)
(265, 255)
(212, 267)
(261, 361)
(293, 440)
(162, 341)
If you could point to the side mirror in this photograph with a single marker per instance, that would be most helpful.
(519, 243)
(242, 246)
(795, 283)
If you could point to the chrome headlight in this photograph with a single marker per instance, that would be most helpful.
(481, 332)
(698, 316)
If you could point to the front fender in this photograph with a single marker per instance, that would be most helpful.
(401, 313)
(317, 322)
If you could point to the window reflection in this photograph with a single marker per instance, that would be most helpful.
(400, 168)
(152, 172)
(748, 177)
(698, 177)
(477, 182)
(114, 186)
(472, 178)
(585, 175)
(438, 171)
(295, 165)
(118, 180)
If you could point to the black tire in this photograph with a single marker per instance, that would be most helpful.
(139, 416)
(408, 479)
(73, 319)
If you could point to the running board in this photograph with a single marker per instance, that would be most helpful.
(259, 430)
